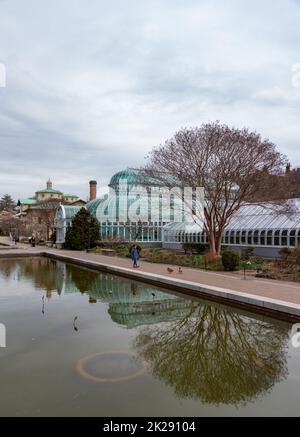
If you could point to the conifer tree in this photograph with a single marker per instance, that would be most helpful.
(84, 231)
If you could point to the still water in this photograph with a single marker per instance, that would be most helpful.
(82, 343)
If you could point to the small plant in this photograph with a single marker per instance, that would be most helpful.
(231, 260)
(198, 248)
(247, 252)
(285, 253)
(296, 255)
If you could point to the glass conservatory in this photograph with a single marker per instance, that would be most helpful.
(160, 218)
(261, 226)
(129, 193)
(135, 209)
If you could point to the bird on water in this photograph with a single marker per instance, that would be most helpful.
(74, 323)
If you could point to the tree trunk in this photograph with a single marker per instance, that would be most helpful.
(212, 243)
(215, 242)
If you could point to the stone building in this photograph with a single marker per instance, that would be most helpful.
(48, 194)
(38, 212)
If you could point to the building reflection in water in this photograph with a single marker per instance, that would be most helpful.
(130, 304)
(41, 272)
(202, 350)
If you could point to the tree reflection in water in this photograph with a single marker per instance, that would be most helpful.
(216, 355)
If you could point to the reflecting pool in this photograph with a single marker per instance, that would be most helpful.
(82, 343)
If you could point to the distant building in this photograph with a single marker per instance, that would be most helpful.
(39, 211)
(48, 194)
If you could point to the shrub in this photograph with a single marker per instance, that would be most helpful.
(296, 255)
(285, 253)
(84, 230)
(199, 248)
(231, 260)
(247, 252)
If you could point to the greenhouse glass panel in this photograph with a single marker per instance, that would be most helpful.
(263, 238)
(249, 237)
(277, 238)
(270, 238)
(244, 237)
(284, 239)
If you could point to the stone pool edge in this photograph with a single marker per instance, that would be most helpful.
(263, 305)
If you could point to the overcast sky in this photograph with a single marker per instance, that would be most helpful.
(93, 85)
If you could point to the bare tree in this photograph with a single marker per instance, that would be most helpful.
(8, 222)
(216, 355)
(232, 165)
(47, 210)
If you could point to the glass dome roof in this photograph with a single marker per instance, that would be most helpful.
(136, 177)
(133, 177)
(93, 205)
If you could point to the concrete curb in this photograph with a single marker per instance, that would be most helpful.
(267, 306)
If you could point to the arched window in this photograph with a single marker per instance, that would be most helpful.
(238, 237)
(232, 239)
(298, 238)
(263, 238)
(293, 237)
(181, 237)
(284, 240)
(277, 237)
(255, 237)
(243, 240)
(270, 237)
(226, 237)
(249, 237)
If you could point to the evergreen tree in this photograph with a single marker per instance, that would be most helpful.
(7, 203)
(84, 231)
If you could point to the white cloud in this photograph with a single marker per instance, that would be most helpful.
(92, 85)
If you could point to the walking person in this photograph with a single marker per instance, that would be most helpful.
(135, 256)
(33, 241)
(11, 239)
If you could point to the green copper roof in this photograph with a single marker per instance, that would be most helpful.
(135, 177)
(71, 195)
(49, 190)
(28, 201)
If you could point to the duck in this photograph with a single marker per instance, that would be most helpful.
(74, 326)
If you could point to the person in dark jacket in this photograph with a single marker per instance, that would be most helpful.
(135, 256)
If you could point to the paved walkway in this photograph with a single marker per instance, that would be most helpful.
(280, 290)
